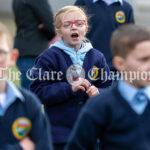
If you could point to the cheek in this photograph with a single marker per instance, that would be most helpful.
(144, 67)
(132, 65)
(3, 63)
(82, 31)
(65, 34)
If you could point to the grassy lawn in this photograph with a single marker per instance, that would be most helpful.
(13, 75)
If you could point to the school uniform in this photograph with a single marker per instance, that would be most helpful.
(104, 19)
(21, 116)
(61, 103)
(118, 117)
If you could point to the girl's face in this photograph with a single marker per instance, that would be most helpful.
(73, 29)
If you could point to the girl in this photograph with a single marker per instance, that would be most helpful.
(62, 100)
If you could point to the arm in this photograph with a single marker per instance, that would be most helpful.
(40, 133)
(84, 134)
(131, 16)
(50, 92)
(104, 76)
(42, 11)
(11, 147)
(89, 126)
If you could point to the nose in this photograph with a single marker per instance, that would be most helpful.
(73, 26)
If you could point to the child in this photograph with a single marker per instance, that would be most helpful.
(70, 59)
(106, 16)
(22, 123)
(120, 116)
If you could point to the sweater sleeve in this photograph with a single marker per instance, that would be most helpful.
(51, 92)
(40, 132)
(84, 134)
(10, 146)
(104, 78)
(42, 11)
(131, 16)
(88, 128)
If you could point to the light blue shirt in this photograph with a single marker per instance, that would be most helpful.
(77, 57)
(109, 3)
(128, 92)
(12, 93)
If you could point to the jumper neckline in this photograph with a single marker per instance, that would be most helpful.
(122, 101)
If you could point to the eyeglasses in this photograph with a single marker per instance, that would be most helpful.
(69, 24)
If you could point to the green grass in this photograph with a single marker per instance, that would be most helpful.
(13, 75)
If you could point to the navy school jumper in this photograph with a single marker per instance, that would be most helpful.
(12, 124)
(110, 118)
(61, 103)
(103, 22)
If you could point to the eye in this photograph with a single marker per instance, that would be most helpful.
(79, 23)
(67, 24)
(144, 59)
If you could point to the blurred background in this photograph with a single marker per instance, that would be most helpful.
(141, 11)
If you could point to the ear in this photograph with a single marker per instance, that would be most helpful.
(14, 57)
(86, 28)
(58, 31)
(119, 63)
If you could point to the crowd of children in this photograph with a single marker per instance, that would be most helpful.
(74, 83)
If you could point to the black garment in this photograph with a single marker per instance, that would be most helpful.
(109, 117)
(30, 40)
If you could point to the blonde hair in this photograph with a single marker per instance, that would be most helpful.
(65, 10)
(4, 33)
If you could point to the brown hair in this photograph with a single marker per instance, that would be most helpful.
(125, 38)
(4, 33)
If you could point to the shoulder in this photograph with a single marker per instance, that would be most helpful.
(102, 103)
(96, 52)
(127, 5)
(50, 51)
(50, 55)
(97, 55)
(31, 100)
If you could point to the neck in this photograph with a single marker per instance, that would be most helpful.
(2, 86)
(77, 47)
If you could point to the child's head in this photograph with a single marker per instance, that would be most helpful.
(130, 46)
(8, 56)
(71, 25)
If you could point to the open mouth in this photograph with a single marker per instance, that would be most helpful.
(75, 36)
